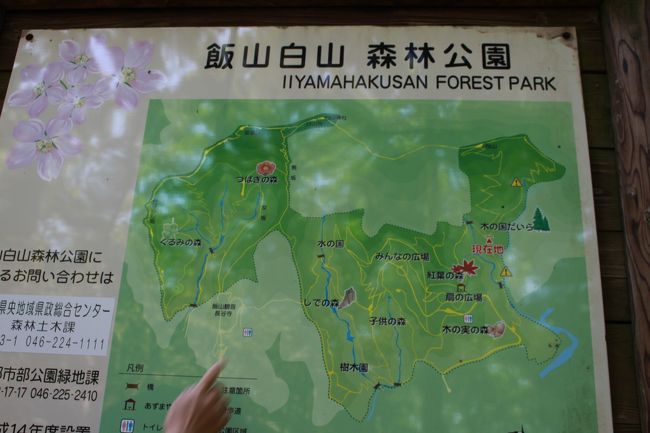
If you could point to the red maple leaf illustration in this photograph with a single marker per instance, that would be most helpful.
(469, 267)
(457, 269)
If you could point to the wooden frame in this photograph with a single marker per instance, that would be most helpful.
(627, 43)
(622, 19)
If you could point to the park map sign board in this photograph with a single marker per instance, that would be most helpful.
(383, 229)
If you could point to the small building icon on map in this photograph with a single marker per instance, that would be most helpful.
(129, 404)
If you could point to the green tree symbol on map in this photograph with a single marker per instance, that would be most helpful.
(540, 222)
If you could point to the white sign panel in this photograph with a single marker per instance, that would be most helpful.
(382, 228)
(55, 324)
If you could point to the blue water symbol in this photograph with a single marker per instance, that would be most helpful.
(197, 229)
(334, 310)
(198, 280)
(567, 353)
(213, 248)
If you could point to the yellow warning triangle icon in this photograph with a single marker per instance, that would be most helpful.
(516, 182)
(505, 272)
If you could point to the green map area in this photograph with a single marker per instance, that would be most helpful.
(402, 250)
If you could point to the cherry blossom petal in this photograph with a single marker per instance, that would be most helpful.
(49, 164)
(79, 115)
(69, 50)
(110, 61)
(21, 98)
(138, 54)
(94, 101)
(85, 90)
(92, 66)
(64, 110)
(56, 94)
(148, 81)
(69, 145)
(126, 97)
(96, 39)
(77, 75)
(58, 126)
(38, 106)
(53, 73)
(21, 155)
(32, 73)
(97, 49)
(29, 131)
(68, 66)
(104, 87)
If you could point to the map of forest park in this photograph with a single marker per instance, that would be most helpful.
(381, 302)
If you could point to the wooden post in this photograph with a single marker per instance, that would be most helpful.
(627, 43)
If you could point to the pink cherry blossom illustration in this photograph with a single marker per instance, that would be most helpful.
(77, 100)
(41, 86)
(122, 76)
(131, 73)
(47, 145)
(78, 61)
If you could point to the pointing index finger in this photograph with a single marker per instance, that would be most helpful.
(211, 375)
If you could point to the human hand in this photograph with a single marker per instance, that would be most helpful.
(201, 408)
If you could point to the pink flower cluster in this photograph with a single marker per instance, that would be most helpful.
(82, 79)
